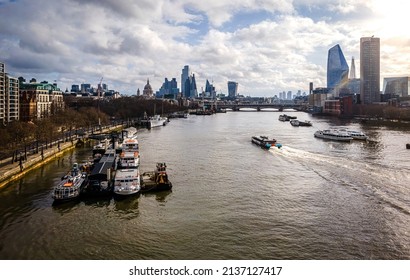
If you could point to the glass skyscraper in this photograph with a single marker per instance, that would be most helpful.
(369, 70)
(232, 89)
(337, 68)
(184, 77)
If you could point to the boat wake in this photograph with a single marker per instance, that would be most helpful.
(371, 179)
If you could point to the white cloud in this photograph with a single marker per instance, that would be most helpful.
(126, 42)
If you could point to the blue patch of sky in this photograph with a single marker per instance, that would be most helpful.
(4, 2)
(244, 19)
(199, 27)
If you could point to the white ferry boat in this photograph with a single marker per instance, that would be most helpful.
(130, 145)
(128, 159)
(157, 120)
(357, 135)
(130, 132)
(71, 185)
(335, 135)
(127, 182)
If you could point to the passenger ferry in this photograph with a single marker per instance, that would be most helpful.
(335, 135)
(127, 182)
(71, 185)
(128, 159)
(130, 145)
(263, 141)
(130, 132)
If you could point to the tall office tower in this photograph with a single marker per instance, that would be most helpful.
(289, 95)
(9, 97)
(184, 77)
(2, 93)
(193, 89)
(12, 111)
(85, 88)
(352, 74)
(310, 88)
(337, 68)
(75, 88)
(232, 89)
(369, 70)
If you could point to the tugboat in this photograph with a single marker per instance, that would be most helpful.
(263, 141)
(71, 185)
(156, 180)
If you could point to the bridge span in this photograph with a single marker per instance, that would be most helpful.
(257, 106)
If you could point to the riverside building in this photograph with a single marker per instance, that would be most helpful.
(9, 97)
(369, 70)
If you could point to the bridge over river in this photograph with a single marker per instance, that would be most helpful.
(257, 106)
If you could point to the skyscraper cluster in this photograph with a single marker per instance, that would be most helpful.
(188, 84)
(341, 83)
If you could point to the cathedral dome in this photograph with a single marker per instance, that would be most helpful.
(147, 86)
(148, 92)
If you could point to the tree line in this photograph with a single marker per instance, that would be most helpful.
(18, 135)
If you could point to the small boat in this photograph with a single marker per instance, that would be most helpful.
(284, 118)
(295, 122)
(71, 185)
(154, 121)
(127, 182)
(129, 132)
(332, 134)
(101, 147)
(263, 141)
(156, 180)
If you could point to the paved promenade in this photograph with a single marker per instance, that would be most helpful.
(13, 171)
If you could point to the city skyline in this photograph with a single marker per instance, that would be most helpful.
(266, 46)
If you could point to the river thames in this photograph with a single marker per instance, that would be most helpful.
(311, 199)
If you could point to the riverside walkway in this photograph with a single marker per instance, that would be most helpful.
(11, 170)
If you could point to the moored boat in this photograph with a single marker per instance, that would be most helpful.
(127, 182)
(100, 180)
(101, 147)
(71, 185)
(263, 141)
(129, 132)
(156, 180)
(154, 121)
(128, 159)
(332, 134)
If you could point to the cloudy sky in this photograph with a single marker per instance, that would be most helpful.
(267, 46)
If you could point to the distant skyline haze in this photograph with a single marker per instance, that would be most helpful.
(266, 46)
